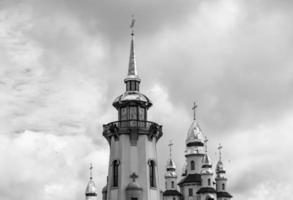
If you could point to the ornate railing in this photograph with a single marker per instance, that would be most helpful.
(132, 126)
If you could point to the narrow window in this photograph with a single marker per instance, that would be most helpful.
(174, 198)
(192, 165)
(223, 186)
(134, 198)
(115, 173)
(152, 173)
(172, 183)
(209, 181)
(190, 192)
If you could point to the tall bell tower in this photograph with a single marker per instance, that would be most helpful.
(133, 168)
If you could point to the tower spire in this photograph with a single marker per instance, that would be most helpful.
(132, 70)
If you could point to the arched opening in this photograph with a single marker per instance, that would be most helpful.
(209, 182)
(152, 174)
(192, 165)
(223, 186)
(115, 173)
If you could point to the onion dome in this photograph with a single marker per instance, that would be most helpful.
(170, 164)
(220, 167)
(131, 96)
(194, 135)
(91, 189)
(206, 161)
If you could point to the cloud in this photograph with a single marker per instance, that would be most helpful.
(63, 63)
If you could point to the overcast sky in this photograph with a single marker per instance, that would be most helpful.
(62, 63)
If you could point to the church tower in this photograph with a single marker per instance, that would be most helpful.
(194, 154)
(171, 192)
(133, 166)
(221, 180)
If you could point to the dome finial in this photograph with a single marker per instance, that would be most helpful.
(91, 171)
(170, 148)
(206, 144)
(132, 25)
(194, 110)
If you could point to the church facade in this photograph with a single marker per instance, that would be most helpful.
(133, 165)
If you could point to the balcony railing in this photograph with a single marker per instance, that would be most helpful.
(125, 127)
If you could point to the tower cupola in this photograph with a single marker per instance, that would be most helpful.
(91, 189)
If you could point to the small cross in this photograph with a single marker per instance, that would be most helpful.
(220, 150)
(206, 143)
(133, 176)
(91, 173)
(170, 147)
(132, 24)
(194, 110)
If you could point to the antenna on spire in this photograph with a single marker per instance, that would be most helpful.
(220, 151)
(170, 148)
(91, 172)
(132, 25)
(206, 144)
(194, 110)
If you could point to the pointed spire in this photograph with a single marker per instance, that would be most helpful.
(206, 144)
(132, 69)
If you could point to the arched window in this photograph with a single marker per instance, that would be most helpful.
(223, 186)
(115, 173)
(192, 167)
(152, 173)
(209, 181)
(172, 184)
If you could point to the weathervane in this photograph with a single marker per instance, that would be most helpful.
(194, 110)
(170, 147)
(132, 25)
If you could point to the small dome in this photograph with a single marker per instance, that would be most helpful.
(132, 96)
(220, 167)
(194, 135)
(133, 186)
(91, 188)
(170, 164)
(170, 174)
(206, 161)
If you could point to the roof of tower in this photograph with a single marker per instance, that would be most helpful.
(170, 164)
(132, 69)
(172, 193)
(194, 135)
(220, 167)
(204, 190)
(91, 189)
(224, 195)
(206, 161)
(191, 178)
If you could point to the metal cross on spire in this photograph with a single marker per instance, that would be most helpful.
(194, 110)
(132, 25)
(206, 144)
(170, 148)
(220, 151)
(91, 172)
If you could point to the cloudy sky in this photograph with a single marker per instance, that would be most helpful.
(62, 63)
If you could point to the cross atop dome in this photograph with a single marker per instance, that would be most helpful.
(220, 151)
(91, 172)
(170, 148)
(194, 110)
